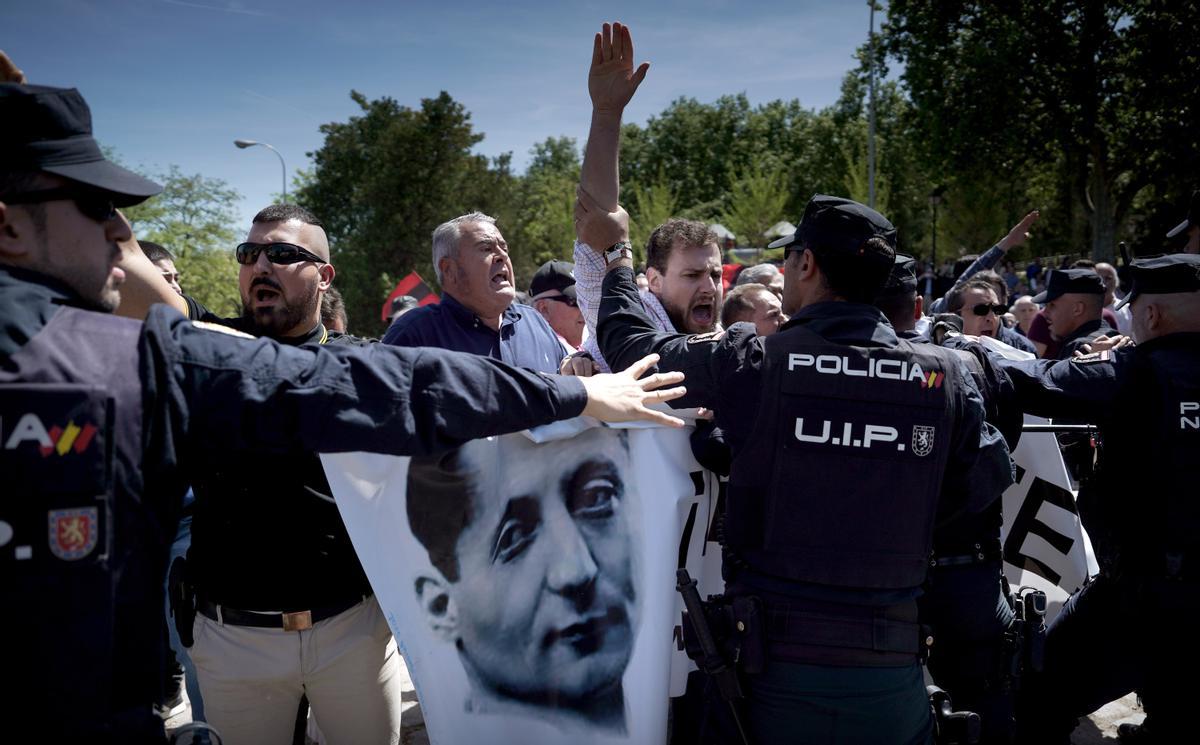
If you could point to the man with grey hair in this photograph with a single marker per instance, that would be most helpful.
(767, 275)
(477, 313)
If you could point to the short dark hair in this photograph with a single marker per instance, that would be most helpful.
(676, 230)
(856, 276)
(997, 283)
(333, 307)
(155, 251)
(1083, 264)
(954, 298)
(963, 262)
(439, 505)
(285, 212)
(13, 182)
(737, 302)
(898, 305)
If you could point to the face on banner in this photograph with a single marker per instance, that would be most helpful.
(532, 547)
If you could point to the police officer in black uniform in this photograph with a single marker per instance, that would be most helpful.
(1068, 287)
(102, 420)
(844, 438)
(1133, 627)
(966, 598)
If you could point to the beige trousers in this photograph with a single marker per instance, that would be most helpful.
(252, 679)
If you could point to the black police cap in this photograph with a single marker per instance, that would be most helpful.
(553, 277)
(1193, 216)
(1163, 275)
(1070, 281)
(838, 224)
(50, 129)
(903, 278)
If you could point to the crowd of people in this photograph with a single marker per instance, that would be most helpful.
(863, 412)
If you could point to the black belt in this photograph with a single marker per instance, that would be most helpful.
(295, 621)
(867, 632)
(979, 553)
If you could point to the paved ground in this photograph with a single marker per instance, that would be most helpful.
(1098, 729)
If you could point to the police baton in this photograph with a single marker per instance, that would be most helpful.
(713, 663)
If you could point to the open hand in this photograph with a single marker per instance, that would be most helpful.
(622, 397)
(612, 79)
(1103, 344)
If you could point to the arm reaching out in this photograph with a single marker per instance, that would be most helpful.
(622, 397)
(612, 81)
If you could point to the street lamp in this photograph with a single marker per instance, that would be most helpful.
(243, 144)
(935, 198)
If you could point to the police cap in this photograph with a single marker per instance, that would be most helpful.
(838, 224)
(903, 278)
(1163, 275)
(1193, 216)
(50, 129)
(1069, 281)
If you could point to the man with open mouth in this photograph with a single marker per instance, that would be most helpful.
(477, 313)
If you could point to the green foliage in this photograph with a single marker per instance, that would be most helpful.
(1099, 99)
(650, 205)
(382, 181)
(756, 202)
(195, 217)
(542, 227)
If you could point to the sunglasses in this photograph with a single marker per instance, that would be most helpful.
(563, 299)
(277, 253)
(982, 309)
(94, 205)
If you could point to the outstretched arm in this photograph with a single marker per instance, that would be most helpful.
(612, 81)
(990, 258)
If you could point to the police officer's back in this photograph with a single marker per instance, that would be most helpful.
(1133, 626)
(844, 437)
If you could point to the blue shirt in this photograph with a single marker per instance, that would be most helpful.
(524, 339)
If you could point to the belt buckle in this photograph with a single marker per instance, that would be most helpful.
(301, 620)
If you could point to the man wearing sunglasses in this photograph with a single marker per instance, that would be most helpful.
(104, 421)
(975, 301)
(552, 293)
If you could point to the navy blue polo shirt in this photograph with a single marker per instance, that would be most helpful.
(524, 339)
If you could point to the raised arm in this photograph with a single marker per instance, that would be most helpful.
(144, 284)
(612, 81)
(990, 258)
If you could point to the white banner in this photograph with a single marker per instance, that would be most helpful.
(530, 579)
(1045, 545)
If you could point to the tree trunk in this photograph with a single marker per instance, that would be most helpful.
(1103, 216)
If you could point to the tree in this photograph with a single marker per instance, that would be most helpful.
(1105, 93)
(384, 179)
(195, 217)
(756, 202)
(542, 227)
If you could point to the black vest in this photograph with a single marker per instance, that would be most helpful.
(84, 555)
(1150, 471)
(839, 479)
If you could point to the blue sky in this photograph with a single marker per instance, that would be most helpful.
(176, 81)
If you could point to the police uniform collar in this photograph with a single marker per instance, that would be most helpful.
(1085, 329)
(838, 314)
(57, 291)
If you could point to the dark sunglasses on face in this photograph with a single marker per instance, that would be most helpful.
(277, 253)
(982, 309)
(94, 205)
(563, 299)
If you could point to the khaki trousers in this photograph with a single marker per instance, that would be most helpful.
(252, 679)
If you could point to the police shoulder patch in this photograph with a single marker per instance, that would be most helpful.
(710, 337)
(222, 329)
(1093, 358)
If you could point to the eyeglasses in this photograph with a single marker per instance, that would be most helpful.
(94, 205)
(982, 309)
(277, 253)
(563, 299)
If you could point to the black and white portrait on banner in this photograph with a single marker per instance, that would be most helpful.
(529, 579)
(532, 547)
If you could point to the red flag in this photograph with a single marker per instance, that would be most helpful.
(410, 285)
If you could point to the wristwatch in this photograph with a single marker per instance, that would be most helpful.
(622, 250)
